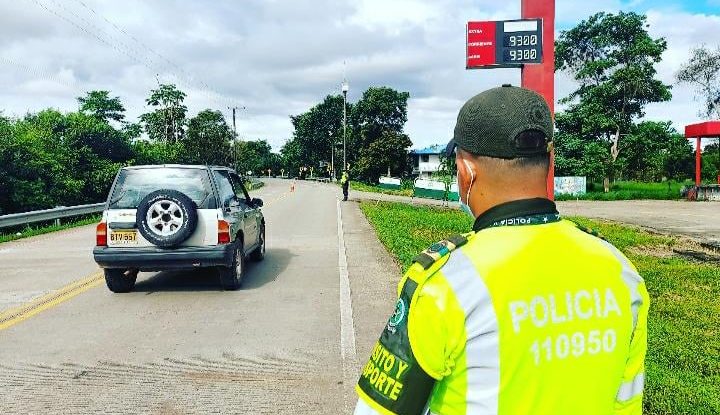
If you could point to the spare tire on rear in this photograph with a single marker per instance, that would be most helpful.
(166, 217)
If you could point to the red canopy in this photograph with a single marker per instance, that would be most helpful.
(698, 132)
(703, 129)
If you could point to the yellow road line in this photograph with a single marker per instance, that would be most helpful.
(277, 199)
(21, 313)
(18, 314)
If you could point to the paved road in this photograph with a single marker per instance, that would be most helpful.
(285, 344)
(290, 342)
(699, 220)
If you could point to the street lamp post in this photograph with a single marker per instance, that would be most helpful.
(345, 88)
(332, 155)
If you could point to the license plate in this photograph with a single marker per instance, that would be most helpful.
(123, 237)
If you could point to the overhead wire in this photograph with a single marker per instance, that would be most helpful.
(50, 75)
(190, 79)
(77, 21)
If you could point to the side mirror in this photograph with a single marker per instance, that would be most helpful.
(257, 202)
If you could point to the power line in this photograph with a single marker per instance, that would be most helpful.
(47, 74)
(142, 44)
(147, 63)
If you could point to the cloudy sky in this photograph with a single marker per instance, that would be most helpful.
(278, 58)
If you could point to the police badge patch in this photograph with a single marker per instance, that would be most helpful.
(398, 316)
(392, 378)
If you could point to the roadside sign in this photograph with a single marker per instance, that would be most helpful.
(570, 185)
(503, 44)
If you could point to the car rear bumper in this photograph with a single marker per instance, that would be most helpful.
(158, 259)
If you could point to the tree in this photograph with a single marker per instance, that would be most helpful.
(255, 156)
(612, 57)
(710, 169)
(314, 133)
(42, 167)
(156, 152)
(167, 121)
(655, 150)
(208, 139)
(101, 106)
(6, 142)
(703, 72)
(378, 141)
(385, 155)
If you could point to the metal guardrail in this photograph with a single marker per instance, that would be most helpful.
(16, 219)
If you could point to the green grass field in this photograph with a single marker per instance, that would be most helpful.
(39, 230)
(669, 190)
(362, 187)
(631, 191)
(683, 362)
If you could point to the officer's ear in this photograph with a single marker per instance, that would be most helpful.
(466, 174)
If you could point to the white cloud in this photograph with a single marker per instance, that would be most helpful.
(683, 31)
(277, 58)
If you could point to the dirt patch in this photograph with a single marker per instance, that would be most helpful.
(658, 251)
(681, 247)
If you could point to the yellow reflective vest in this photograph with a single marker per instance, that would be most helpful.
(527, 315)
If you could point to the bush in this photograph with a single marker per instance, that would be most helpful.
(669, 190)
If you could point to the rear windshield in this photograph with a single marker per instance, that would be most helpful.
(134, 184)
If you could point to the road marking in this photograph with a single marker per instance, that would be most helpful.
(277, 199)
(18, 314)
(347, 326)
(23, 312)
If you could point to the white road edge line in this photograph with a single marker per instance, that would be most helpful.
(347, 326)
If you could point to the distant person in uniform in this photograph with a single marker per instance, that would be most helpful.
(525, 314)
(345, 182)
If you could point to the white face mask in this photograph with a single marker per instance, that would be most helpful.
(464, 204)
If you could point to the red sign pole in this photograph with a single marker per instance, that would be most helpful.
(698, 161)
(541, 78)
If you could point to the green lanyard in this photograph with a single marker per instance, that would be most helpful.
(540, 219)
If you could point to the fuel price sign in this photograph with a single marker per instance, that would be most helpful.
(504, 44)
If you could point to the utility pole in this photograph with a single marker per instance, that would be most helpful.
(235, 136)
(345, 88)
(332, 155)
(234, 109)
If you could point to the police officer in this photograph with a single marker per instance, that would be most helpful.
(526, 314)
(345, 182)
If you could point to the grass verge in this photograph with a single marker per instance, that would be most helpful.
(42, 229)
(683, 362)
(669, 190)
(362, 187)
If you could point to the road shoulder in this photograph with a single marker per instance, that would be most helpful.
(373, 278)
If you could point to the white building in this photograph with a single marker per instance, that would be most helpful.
(426, 161)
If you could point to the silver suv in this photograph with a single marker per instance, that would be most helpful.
(174, 217)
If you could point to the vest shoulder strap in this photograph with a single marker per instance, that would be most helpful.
(591, 231)
(439, 250)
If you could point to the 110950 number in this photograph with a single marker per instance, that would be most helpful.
(576, 345)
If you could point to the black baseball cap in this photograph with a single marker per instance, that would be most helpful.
(505, 122)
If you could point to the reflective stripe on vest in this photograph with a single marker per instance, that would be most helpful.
(629, 390)
(631, 279)
(483, 364)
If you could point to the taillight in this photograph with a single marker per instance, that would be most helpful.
(223, 232)
(101, 234)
